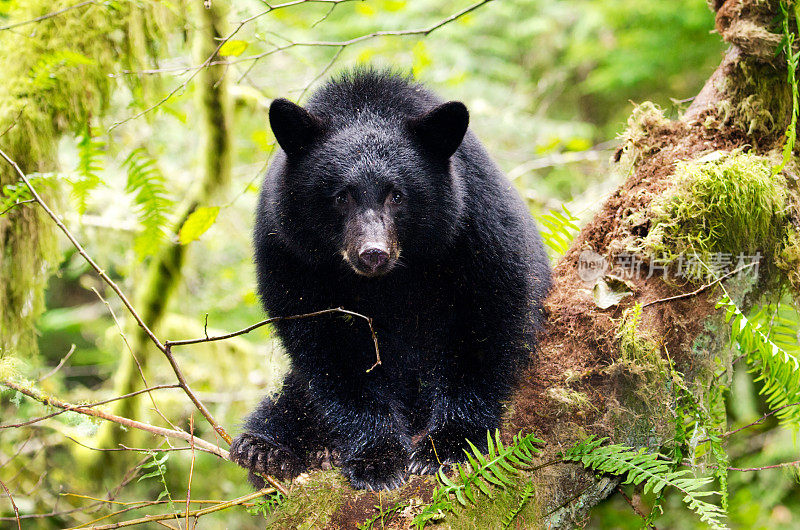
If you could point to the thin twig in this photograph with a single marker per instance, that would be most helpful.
(13, 505)
(191, 473)
(17, 452)
(702, 288)
(321, 73)
(60, 364)
(210, 61)
(173, 363)
(195, 513)
(127, 422)
(762, 468)
(794, 463)
(133, 355)
(170, 343)
(90, 405)
(754, 423)
(15, 204)
(635, 508)
(48, 15)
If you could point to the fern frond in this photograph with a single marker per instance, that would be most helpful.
(11, 194)
(90, 154)
(777, 365)
(480, 474)
(560, 229)
(147, 185)
(47, 70)
(525, 496)
(651, 470)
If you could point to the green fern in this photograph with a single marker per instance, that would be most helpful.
(158, 467)
(771, 348)
(90, 154)
(525, 496)
(560, 229)
(480, 474)
(47, 70)
(652, 470)
(381, 516)
(266, 506)
(787, 46)
(147, 185)
(11, 194)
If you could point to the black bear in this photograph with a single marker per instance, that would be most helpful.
(382, 202)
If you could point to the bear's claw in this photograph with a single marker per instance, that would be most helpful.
(259, 456)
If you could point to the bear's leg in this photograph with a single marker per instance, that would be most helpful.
(281, 438)
(458, 413)
(368, 430)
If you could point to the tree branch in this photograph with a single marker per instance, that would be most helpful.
(127, 422)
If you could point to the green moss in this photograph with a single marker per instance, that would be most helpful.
(757, 101)
(55, 79)
(788, 258)
(491, 513)
(724, 204)
(568, 401)
(312, 504)
(644, 119)
(642, 385)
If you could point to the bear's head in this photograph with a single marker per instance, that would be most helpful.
(372, 191)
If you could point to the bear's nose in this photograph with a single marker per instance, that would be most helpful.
(373, 257)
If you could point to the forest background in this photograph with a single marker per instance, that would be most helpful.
(128, 137)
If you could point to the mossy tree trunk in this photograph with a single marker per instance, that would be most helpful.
(699, 186)
(154, 293)
(54, 81)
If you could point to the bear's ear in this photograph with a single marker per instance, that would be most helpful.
(294, 127)
(442, 129)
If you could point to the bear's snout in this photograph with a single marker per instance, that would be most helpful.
(373, 257)
(371, 243)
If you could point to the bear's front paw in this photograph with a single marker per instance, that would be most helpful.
(380, 468)
(259, 456)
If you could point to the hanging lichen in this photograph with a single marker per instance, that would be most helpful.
(55, 81)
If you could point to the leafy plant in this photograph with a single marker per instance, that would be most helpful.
(525, 496)
(480, 474)
(147, 185)
(90, 154)
(787, 46)
(11, 194)
(159, 469)
(49, 67)
(774, 357)
(561, 229)
(266, 505)
(368, 524)
(652, 470)
(198, 222)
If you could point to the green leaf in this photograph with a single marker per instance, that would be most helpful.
(652, 469)
(233, 48)
(198, 223)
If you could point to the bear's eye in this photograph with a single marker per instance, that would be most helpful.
(342, 198)
(396, 197)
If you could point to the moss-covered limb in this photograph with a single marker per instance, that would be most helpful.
(154, 293)
(55, 79)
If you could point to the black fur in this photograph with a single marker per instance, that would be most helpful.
(455, 307)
